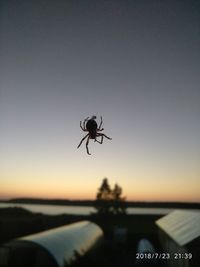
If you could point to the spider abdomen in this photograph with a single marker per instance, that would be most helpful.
(91, 126)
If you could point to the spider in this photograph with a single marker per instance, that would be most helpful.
(90, 126)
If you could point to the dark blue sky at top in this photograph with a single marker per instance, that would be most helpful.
(134, 62)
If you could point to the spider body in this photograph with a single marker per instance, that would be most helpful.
(90, 126)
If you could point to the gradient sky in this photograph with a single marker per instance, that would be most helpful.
(136, 63)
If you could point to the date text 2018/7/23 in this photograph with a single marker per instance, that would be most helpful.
(163, 256)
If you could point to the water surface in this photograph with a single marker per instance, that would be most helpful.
(81, 210)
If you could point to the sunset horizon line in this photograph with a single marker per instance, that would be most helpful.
(26, 198)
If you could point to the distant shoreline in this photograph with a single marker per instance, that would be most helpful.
(89, 203)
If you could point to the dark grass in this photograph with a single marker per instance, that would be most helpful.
(17, 222)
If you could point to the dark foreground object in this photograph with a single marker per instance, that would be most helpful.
(119, 246)
(62, 246)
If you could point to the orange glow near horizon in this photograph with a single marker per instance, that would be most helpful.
(141, 198)
(142, 182)
(86, 188)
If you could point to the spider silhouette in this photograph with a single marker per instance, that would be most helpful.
(90, 126)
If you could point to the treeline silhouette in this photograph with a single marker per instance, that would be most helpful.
(89, 203)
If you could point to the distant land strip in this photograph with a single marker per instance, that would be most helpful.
(90, 203)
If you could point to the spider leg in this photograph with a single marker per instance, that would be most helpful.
(82, 126)
(100, 142)
(102, 136)
(88, 139)
(99, 128)
(87, 135)
(85, 122)
(107, 137)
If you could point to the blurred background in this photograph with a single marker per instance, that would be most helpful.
(135, 63)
